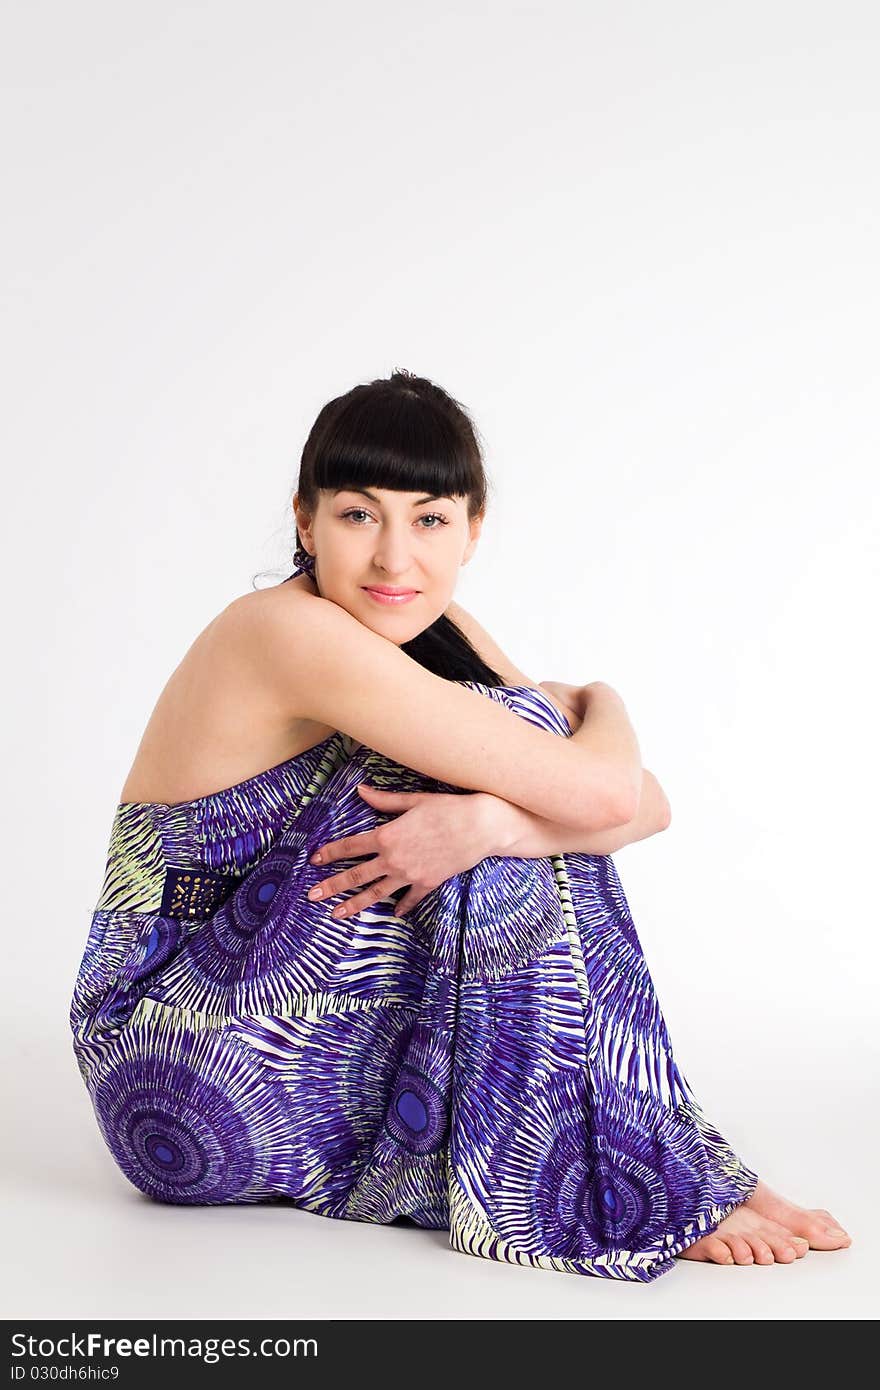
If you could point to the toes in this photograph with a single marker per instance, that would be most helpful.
(835, 1231)
(783, 1250)
(718, 1250)
(755, 1239)
(833, 1238)
(782, 1241)
(828, 1225)
(741, 1250)
(709, 1248)
(785, 1253)
(826, 1235)
(761, 1250)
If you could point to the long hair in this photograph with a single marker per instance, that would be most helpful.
(406, 434)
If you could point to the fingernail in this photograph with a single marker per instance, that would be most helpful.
(314, 892)
(835, 1231)
(800, 1240)
(317, 858)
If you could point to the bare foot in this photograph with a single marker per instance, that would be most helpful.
(815, 1223)
(746, 1237)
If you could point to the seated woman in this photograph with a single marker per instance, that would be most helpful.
(361, 945)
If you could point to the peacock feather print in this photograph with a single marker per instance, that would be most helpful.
(495, 1064)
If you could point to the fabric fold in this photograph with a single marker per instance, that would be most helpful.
(496, 1063)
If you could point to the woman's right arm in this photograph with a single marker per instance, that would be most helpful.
(326, 666)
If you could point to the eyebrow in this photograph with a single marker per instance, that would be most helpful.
(365, 492)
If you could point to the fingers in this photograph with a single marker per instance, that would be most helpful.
(377, 891)
(335, 884)
(367, 841)
(349, 847)
(374, 894)
(402, 801)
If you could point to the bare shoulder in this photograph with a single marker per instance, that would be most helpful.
(326, 665)
(277, 628)
(295, 611)
(294, 618)
(266, 626)
(218, 720)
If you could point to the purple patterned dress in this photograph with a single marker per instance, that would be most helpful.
(495, 1063)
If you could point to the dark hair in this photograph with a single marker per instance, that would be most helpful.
(406, 434)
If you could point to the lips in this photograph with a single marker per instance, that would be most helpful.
(384, 594)
(387, 589)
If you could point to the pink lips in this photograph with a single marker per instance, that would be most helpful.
(384, 593)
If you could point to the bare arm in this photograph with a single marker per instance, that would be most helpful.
(442, 835)
(508, 829)
(516, 831)
(320, 663)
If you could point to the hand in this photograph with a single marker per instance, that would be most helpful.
(437, 835)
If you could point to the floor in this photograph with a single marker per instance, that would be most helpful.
(87, 1244)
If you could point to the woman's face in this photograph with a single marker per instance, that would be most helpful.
(394, 540)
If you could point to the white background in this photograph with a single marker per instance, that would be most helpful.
(639, 243)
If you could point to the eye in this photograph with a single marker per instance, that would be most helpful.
(426, 516)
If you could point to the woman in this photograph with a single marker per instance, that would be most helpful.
(360, 943)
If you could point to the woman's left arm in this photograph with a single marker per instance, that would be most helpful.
(434, 835)
(511, 829)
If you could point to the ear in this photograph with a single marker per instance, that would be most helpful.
(303, 521)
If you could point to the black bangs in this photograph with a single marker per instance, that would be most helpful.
(394, 439)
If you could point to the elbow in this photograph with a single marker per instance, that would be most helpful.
(613, 799)
(625, 805)
(661, 806)
(622, 806)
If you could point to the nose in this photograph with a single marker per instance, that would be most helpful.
(393, 560)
